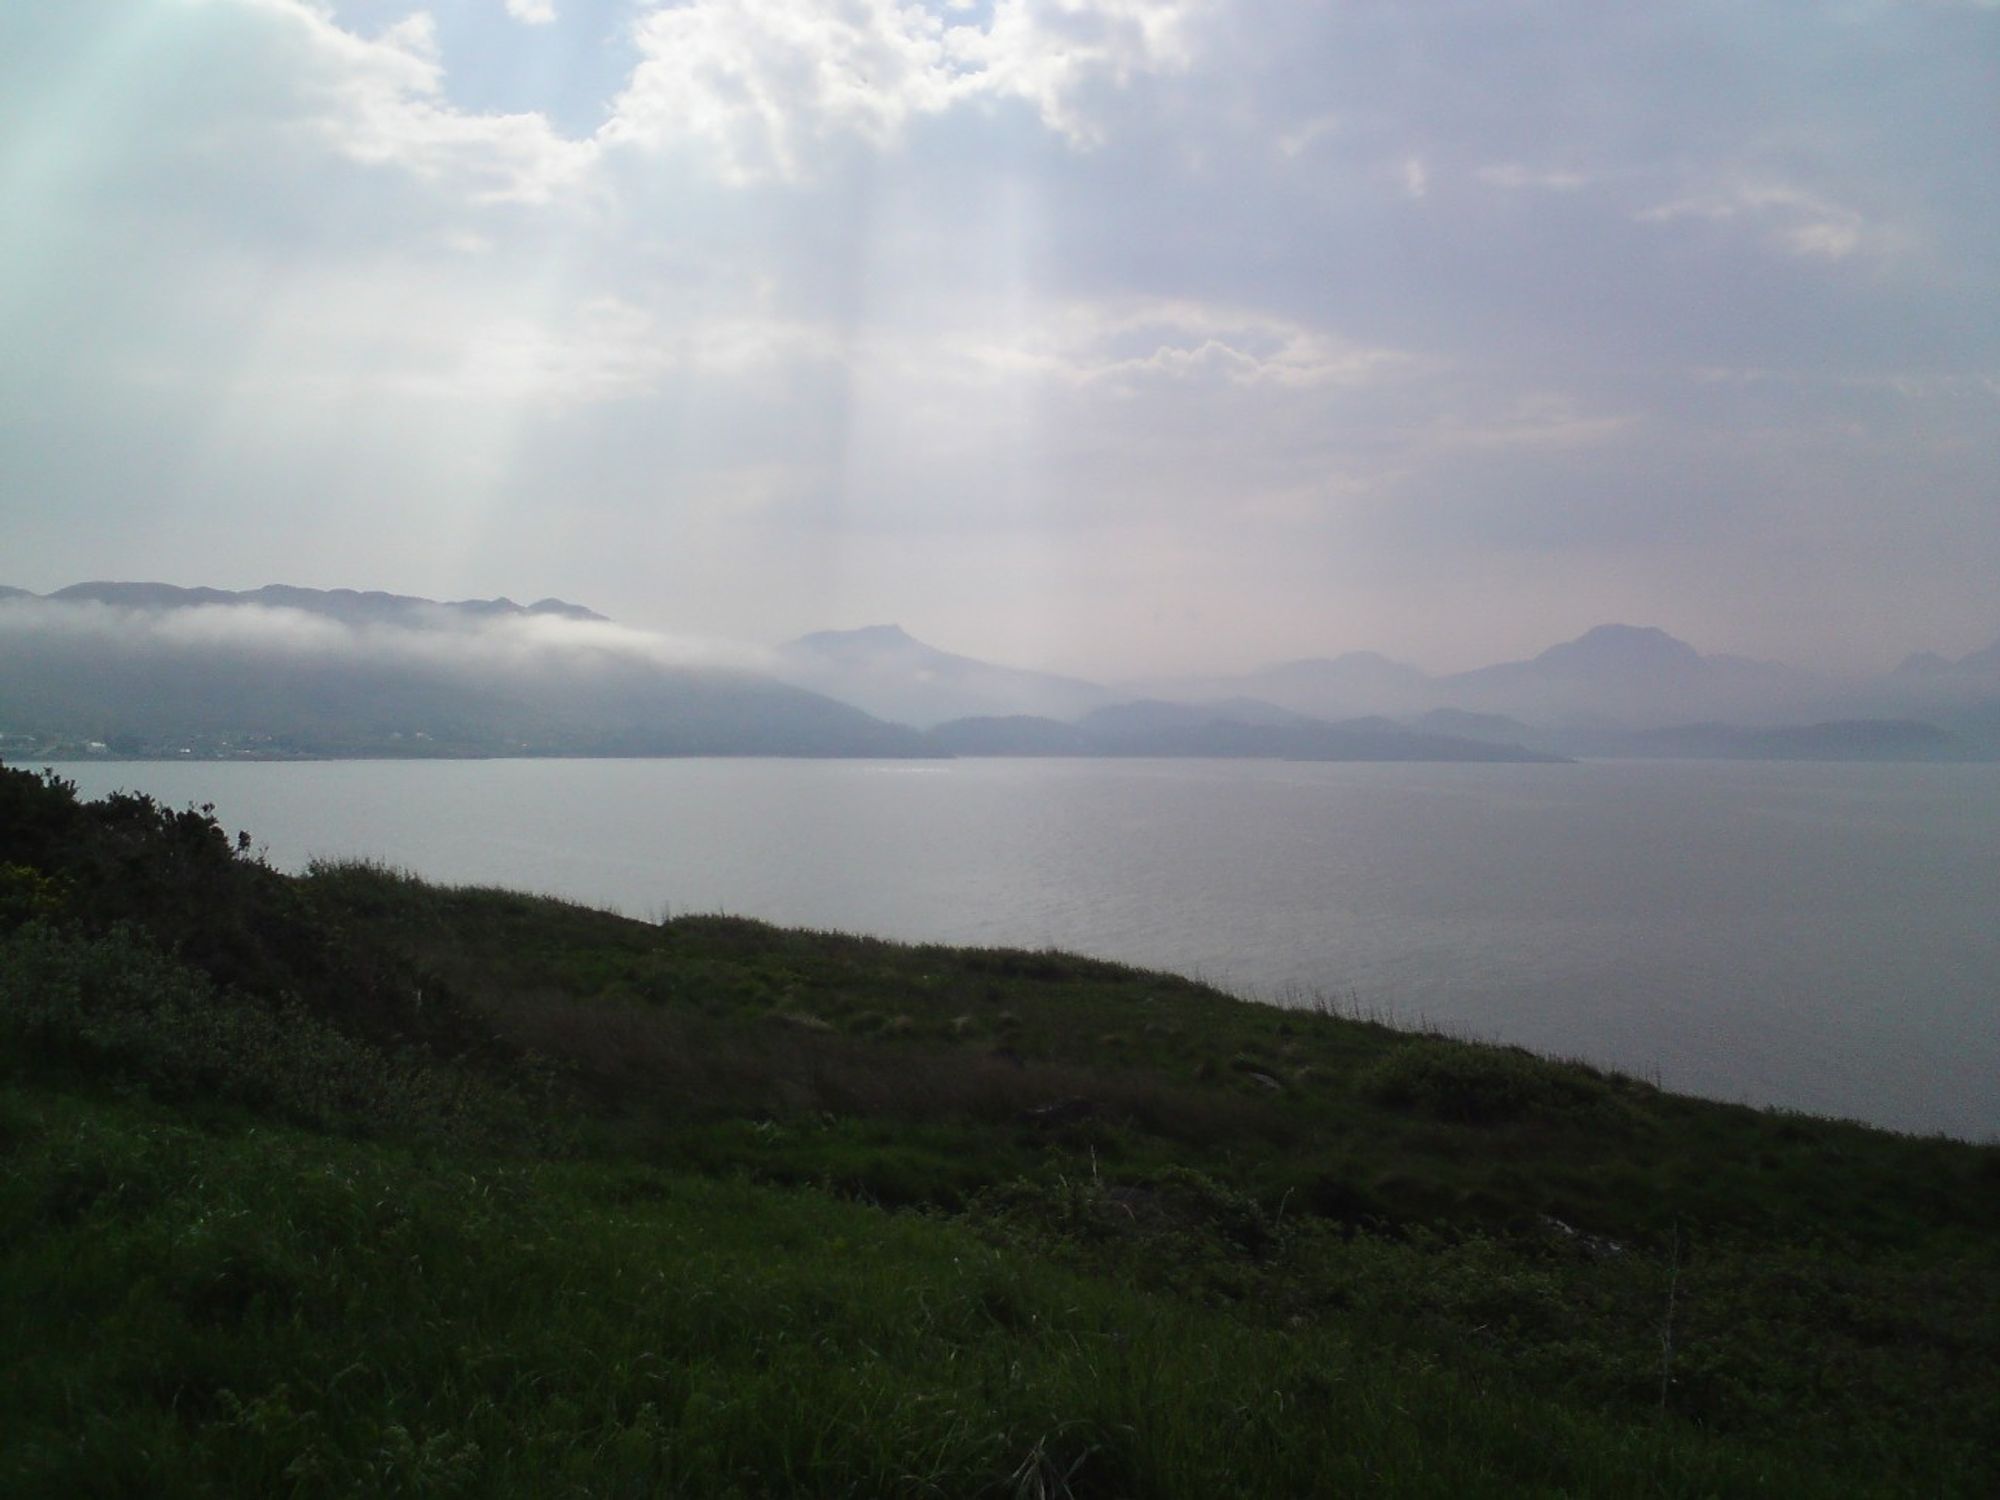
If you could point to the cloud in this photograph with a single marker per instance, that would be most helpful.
(756, 315)
(1300, 137)
(761, 81)
(1789, 219)
(1513, 176)
(607, 350)
(1128, 343)
(1549, 421)
(760, 88)
(437, 638)
(287, 631)
(1054, 53)
(382, 101)
(767, 84)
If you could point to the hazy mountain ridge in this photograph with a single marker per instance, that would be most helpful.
(151, 668)
(1929, 663)
(885, 670)
(1612, 676)
(1615, 690)
(1633, 690)
(1024, 713)
(1339, 687)
(343, 604)
(1152, 715)
(1633, 677)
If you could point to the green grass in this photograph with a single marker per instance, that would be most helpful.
(349, 1183)
(695, 1023)
(276, 1312)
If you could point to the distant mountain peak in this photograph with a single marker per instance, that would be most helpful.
(890, 673)
(1622, 646)
(1646, 637)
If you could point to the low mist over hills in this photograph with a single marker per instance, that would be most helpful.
(154, 669)
(371, 607)
(147, 669)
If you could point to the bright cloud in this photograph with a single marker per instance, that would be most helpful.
(766, 82)
(382, 101)
(1125, 345)
(437, 638)
(755, 316)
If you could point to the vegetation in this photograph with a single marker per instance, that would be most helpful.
(348, 1182)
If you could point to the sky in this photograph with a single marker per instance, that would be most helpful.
(1109, 336)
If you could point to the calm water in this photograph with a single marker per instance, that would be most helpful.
(1823, 937)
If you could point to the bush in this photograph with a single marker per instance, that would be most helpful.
(26, 893)
(182, 883)
(114, 1007)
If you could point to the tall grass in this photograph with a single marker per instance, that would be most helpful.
(350, 1183)
(274, 1313)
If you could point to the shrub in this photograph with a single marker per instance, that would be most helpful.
(26, 893)
(114, 1007)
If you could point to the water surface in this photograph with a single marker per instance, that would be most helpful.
(1821, 937)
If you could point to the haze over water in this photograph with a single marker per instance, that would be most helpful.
(1814, 936)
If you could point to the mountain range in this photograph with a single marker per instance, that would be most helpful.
(144, 668)
(1616, 690)
(892, 675)
(1621, 676)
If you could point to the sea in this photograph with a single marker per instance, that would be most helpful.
(1821, 938)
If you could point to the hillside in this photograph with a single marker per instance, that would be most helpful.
(147, 670)
(347, 1182)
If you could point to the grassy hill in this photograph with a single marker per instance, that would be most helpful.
(347, 1182)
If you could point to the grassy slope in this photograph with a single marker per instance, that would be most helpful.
(783, 1218)
(275, 1312)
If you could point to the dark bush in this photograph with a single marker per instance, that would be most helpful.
(114, 1008)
